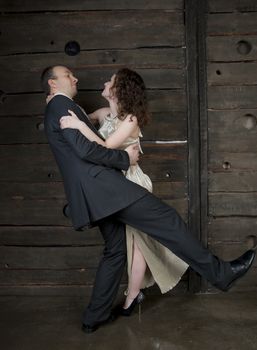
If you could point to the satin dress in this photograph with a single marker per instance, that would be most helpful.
(163, 267)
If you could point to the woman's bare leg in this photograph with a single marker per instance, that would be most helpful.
(137, 274)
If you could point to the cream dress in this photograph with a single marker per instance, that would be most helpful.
(163, 267)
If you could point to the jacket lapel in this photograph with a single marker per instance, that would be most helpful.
(86, 119)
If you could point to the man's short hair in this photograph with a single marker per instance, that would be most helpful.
(48, 73)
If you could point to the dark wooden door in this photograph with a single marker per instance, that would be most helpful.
(165, 42)
(232, 130)
(40, 253)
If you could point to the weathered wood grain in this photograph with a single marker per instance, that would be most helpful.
(169, 159)
(34, 104)
(92, 59)
(232, 131)
(238, 162)
(94, 79)
(83, 276)
(42, 204)
(49, 32)
(163, 126)
(22, 130)
(48, 236)
(232, 184)
(233, 181)
(33, 212)
(233, 141)
(170, 190)
(231, 97)
(50, 257)
(54, 190)
(170, 125)
(81, 291)
(29, 190)
(231, 229)
(232, 73)
(232, 23)
(225, 49)
(49, 211)
(232, 6)
(233, 204)
(173, 193)
(77, 5)
(35, 163)
(77, 291)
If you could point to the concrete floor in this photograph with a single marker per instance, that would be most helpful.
(195, 322)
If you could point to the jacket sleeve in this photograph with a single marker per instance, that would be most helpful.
(95, 153)
(85, 149)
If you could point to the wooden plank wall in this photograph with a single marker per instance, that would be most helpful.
(39, 251)
(232, 129)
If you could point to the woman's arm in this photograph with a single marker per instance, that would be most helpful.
(98, 115)
(127, 128)
(80, 145)
(73, 122)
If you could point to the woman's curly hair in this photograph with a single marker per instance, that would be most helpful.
(129, 88)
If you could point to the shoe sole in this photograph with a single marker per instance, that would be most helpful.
(89, 330)
(100, 324)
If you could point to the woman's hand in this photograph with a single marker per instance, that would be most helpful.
(70, 121)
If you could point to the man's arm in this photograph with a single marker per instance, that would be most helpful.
(85, 149)
(95, 153)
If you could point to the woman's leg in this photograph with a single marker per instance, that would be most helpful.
(154, 217)
(137, 274)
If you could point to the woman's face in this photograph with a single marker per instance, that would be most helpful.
(107, 92)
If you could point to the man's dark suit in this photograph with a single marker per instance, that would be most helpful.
(98, 192)
(80, 162)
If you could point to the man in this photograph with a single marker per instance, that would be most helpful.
(99, 194)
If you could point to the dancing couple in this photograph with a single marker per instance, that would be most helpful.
(106, 187)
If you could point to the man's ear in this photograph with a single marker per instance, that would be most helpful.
(52, 83)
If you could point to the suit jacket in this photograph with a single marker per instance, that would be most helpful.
(94, 184)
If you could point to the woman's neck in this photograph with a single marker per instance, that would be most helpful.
(113, 108)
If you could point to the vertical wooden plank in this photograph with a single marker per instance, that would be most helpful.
(203, 107)
(195, 43)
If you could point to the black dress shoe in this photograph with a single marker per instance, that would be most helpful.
(92, 328)
(239, 267)
(89, 329)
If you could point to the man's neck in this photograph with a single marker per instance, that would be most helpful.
(62, 93)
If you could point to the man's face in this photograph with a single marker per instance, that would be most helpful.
(64, 81)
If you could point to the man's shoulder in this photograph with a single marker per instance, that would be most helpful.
(60, 99)
(59, 104)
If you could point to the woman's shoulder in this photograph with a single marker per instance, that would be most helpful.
(130, 118)
(130, 124)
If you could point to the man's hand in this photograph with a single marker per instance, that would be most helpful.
(133, 152)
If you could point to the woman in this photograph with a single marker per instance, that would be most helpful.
(120, 124)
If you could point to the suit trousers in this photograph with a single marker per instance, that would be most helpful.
(109, 271)
(154, 217)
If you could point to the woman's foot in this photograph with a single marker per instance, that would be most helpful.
(131, 303)
(129, 300)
